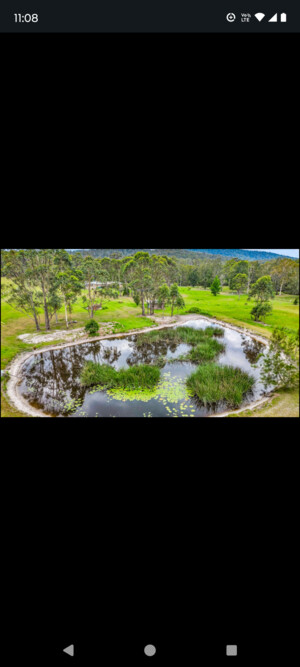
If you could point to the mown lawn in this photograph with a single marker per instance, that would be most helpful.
(235, 310)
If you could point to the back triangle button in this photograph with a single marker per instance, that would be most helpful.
(69, 650)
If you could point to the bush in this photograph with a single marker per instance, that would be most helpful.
(296, 302)
(261, 310)
(212, 384)
(92, 327)
(197, 311)
(126, 291)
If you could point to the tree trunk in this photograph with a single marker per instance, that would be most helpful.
(281, 288)
(37, 324)
(172, 309)
(66, 315)
(56, 317)
(143, 306)
(47, 321)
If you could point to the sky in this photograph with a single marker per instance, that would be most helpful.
(294, 252)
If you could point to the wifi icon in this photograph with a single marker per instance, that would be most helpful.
(259, 16)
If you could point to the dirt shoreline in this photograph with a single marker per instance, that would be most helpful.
(14, 368)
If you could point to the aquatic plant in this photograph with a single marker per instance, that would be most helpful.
(212, 384)
(179, 335)
(107, 377)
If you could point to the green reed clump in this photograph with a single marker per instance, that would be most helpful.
(180, 335)
(108, 377)
(212, 384)
(206, 351)
(101, 374)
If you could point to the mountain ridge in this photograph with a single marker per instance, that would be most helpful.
(189, 253)
(240, 253)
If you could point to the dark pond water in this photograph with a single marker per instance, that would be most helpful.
(51, 381)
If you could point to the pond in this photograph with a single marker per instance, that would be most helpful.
(51, 380)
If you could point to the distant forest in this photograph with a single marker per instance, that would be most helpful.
(187, 254)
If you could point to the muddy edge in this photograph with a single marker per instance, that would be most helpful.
(15, 367)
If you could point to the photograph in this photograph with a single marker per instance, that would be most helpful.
(149, 333)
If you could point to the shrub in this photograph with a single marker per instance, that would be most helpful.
(296, 302)
(212, 384)
(92, 327)
(261, 310)
(194, 309)
(216, 286)
(197, 311)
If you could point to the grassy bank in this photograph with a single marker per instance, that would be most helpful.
(284, 404)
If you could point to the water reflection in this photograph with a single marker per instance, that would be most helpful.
(252, 349)
(51, 380)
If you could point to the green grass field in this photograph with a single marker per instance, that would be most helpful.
(127, 316)
(235, 310)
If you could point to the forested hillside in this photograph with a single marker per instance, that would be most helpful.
(185, 253)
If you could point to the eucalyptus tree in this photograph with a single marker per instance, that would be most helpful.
(94, 273)
(240, 283)
(262, 291)
(282, 272)
(137, 271)
(18, 291)
(163, 296)
(55, 303)
(40, 274)
(176, 300)
(159, 273)
(68, 280)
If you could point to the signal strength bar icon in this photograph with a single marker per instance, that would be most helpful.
(274, 18)
(259, 16)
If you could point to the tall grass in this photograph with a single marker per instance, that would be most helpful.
(204, 345)
(179, 335)
(212, 384)
(107, 377)
(206, 351)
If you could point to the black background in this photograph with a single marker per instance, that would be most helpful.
(134, 533)
(131, 533)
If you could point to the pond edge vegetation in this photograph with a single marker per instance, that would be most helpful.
(209, 383)
(15, 366)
